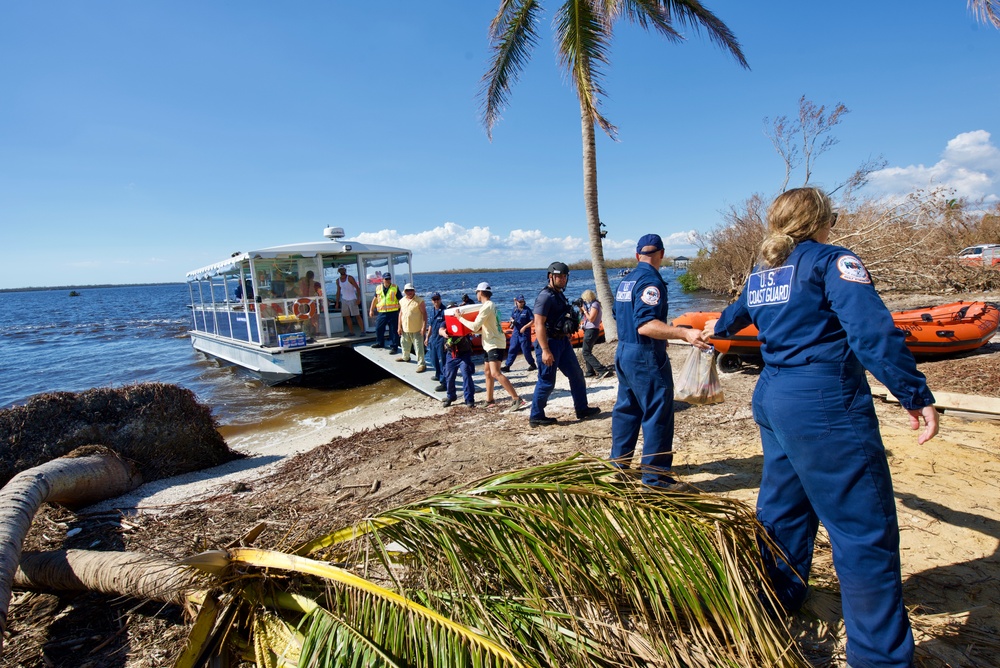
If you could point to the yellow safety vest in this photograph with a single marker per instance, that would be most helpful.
(387, 301)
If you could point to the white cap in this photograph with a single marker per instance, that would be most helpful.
(484, 286)
(408, 286)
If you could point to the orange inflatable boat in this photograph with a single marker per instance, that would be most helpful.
(930, 330)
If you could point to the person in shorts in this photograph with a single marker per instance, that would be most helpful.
(349, 301)
(494, 345)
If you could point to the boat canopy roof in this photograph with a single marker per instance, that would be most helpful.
(307, 249)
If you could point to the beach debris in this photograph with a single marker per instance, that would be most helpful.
(161, 427)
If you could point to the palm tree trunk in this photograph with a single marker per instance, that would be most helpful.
(140, 576)
(594, 224)
(83, 476)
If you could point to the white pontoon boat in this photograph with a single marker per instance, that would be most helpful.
(263, 311)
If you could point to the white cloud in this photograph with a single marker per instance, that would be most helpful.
(969, 165)
(451, 246)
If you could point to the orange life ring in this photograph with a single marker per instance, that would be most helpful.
(300, 312)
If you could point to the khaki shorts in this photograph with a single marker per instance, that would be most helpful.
(350, 308)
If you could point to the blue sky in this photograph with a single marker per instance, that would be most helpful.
(139, 140)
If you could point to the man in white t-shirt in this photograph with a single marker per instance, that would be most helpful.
(349, 301)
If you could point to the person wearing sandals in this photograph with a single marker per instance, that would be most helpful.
(495, 346)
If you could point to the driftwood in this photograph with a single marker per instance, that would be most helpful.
(970, 406)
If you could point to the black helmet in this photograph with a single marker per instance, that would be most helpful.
(558, 268)
(451, 305)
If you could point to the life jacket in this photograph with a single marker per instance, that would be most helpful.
(387, 300)
(459, 345)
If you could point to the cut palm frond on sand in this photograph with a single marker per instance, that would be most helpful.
(567, 564)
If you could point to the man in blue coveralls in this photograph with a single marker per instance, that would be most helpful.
(645, 383)
(434, 342)
(555, 322)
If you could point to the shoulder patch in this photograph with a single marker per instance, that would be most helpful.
(852, 270)
(650, 295)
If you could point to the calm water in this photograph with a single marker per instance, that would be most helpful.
(116, 336)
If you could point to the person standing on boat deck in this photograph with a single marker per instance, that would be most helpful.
(821, 324)
(494, 345)
(645, 384)
(555, 323)
(308, 288)
(433, 342)
(412, 326)
(349, 301)
(521, 319)
(592, 315)
(386, 304)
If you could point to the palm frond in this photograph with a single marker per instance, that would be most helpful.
(512, 34)
(986, 11)
(580, 568)
(663, 14)
(397, 628)
(567, 564)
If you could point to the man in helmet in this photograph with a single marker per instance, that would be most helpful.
(645, 385)
(555, 323)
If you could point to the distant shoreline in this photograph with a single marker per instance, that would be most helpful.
(574, 266)
(89, 287)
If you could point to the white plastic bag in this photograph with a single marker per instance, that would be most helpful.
(699, 380)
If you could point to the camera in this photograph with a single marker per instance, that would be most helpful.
(578, 303)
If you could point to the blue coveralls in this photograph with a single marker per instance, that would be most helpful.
(821, 325)
(520, 343)
(645, 383)
(552, 304)
(459, 357)
(435, 344)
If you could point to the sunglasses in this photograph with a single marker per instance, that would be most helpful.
(833, 219)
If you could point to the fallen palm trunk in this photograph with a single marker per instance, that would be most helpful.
(85, 475)
(140, 576)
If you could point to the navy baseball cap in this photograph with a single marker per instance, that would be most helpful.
(520, 298)
(436, 295)
(649, 240)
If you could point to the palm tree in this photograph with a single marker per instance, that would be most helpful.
(583, 34)
(85, 475)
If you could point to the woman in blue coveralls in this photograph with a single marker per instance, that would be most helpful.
(821, 325)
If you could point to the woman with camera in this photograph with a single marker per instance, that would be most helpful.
(592, 314)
